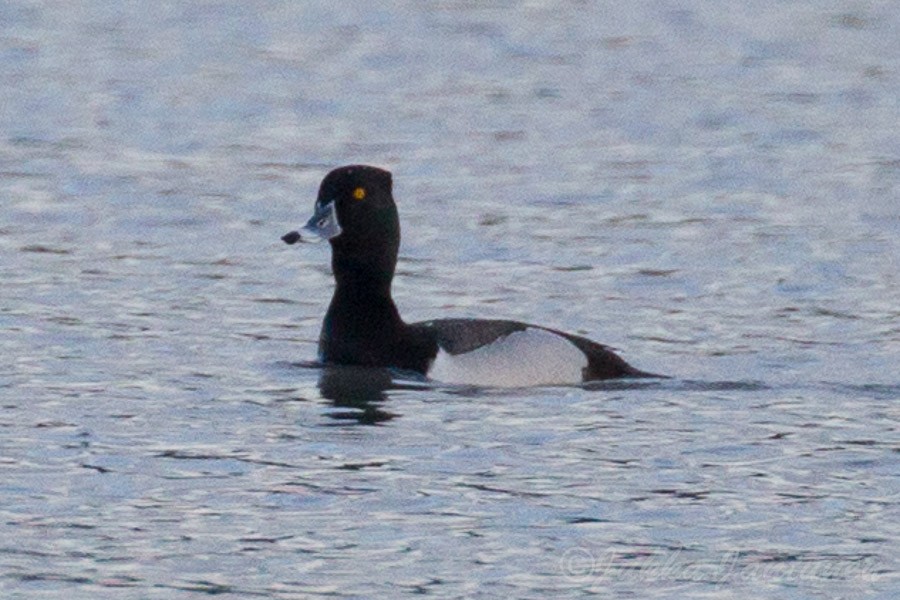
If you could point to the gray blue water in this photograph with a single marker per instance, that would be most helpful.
(711, 188)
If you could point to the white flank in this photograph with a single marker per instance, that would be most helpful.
(523, 358)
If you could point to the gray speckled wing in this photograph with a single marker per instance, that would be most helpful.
(458, 336)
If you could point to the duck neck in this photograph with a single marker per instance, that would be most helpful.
(361, 280)
(362, 304)
(362, 325)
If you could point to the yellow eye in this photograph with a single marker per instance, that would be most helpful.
(359, 193)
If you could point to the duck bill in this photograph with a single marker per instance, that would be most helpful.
(323, 225)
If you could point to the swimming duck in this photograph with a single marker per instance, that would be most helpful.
(355, 211)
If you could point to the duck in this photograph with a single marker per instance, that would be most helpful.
(356, 213)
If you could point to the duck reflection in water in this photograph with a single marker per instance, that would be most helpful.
(359, 388)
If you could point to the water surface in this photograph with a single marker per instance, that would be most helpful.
(714, 193)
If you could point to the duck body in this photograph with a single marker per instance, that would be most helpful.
(355, 211)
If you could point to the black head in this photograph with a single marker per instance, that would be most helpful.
(355, 212)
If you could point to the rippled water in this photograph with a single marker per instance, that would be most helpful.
(714, 192)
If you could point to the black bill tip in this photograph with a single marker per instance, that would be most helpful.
(291, 238)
